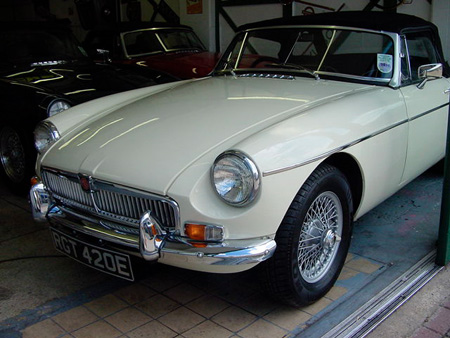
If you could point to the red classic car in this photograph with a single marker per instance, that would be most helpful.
(175, 49)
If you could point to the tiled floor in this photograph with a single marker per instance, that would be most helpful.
(178, 303)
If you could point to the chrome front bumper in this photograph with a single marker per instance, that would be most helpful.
(153, 243)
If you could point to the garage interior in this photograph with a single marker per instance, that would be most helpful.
(393, 251)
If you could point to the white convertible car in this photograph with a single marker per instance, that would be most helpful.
(304, 126)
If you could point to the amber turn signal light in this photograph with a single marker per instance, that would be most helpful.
(203, 232)
(195, 231)
(34, 180)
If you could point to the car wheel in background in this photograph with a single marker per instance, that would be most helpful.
(15, 166)
(313, 239)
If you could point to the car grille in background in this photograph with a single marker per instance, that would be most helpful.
(120, 208)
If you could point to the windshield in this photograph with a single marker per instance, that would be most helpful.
(313, 51)
(38, 46)
(180, 40)
(156, 41)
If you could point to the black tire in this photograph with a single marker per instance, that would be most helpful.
(310, 252)
(16, 160)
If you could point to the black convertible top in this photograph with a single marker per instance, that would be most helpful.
(380, 21)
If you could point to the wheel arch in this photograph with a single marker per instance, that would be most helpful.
(348, 165)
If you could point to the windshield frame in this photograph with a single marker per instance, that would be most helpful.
(164, 49)
(229, 62)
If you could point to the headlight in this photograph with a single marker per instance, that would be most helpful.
(57, 106)
(236, 178)
(45, 135)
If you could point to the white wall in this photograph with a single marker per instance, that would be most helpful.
(246, 14)
(203, 24)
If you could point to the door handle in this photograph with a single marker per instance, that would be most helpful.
(447, 91)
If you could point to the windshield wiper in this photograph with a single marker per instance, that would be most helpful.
(297, 67)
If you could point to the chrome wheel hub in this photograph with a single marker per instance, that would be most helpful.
(320, 237)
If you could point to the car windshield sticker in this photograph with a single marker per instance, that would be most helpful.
(384, 63)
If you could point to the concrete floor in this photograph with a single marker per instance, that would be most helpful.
(43, 294)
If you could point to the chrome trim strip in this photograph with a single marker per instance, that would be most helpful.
(252, 253)
(91, 229)
(239, 56)
(331, 152)
(429, 111)
(339, 149)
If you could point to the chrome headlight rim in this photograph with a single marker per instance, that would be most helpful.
(57, 106)
(251, 170)
(45, 134)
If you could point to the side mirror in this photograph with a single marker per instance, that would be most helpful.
(105, 54)
(429, 72)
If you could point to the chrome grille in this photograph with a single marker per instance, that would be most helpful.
(68, 187)
(113, 203)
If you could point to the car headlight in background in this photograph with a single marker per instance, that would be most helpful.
(57, 106)
(45, 135)
(236, 178)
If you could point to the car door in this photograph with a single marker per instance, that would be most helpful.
(427, 106)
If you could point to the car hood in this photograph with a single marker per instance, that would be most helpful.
(154, 139)
(185, 65)
(77, 81)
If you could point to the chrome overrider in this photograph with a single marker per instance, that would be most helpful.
(154, 243)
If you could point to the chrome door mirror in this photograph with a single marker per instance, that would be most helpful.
(428, 72)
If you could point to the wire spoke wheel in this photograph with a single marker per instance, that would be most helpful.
(12, 155)
(320, 237)
(312, 239)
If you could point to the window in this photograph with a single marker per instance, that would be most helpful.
(421, 51)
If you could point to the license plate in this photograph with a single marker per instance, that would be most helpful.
(105, 260)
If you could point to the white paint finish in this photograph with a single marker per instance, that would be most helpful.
(427, 134)
(278, 123)
(164, 139)
(159, 131)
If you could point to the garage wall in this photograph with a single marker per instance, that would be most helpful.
(440, 15)
(204, 22)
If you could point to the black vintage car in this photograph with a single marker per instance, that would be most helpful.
(43, 71)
